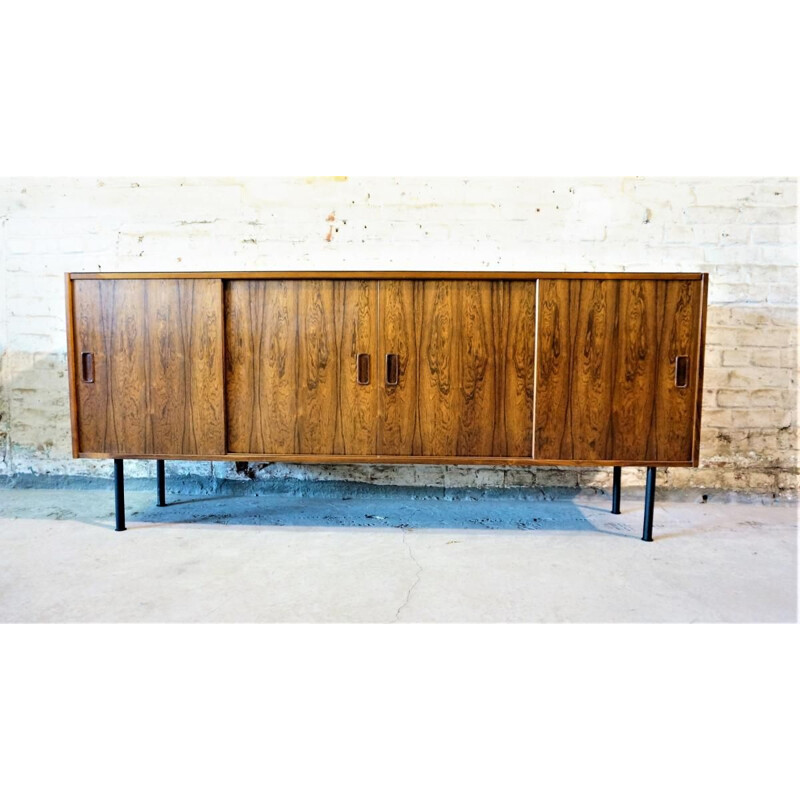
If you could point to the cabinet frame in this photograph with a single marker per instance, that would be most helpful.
(696, 368)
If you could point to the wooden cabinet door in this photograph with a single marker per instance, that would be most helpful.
(458, 367)
(148, 366)
(301, 366)
(618, 370)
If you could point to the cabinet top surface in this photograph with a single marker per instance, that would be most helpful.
(387, 275)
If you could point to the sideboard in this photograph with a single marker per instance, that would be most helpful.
(503, 368)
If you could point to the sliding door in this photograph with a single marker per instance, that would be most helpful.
(301, 358)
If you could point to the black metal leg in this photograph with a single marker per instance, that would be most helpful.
(160, 482)
(119, 494)
(615, 492)
(649, 503)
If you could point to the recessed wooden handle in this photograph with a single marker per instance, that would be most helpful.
(392, 369)
(362, 369)
(682, 372)
(87, 367)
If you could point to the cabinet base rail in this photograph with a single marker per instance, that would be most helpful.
(649, 495)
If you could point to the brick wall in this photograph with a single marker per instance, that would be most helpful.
(743, 231)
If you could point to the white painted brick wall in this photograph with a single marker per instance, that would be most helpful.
(743, 231)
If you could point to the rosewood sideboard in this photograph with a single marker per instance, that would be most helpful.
(530, 369)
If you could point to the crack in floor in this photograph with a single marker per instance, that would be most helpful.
(416, 578)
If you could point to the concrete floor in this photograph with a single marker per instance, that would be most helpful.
(283, 558)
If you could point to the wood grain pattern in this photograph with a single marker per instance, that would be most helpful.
(606, 370)
(90, 318)
(635, 381)
(318, 368)
(480, 365)
(466, 377)
(553, 369)
(515, 393)
(157, 352)
(261, 366)
(183, 323)
(440, 375)
(356, 324)
(674, 407)
(399, 333)
(109, 322)
(594, 351)
(291, 370)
